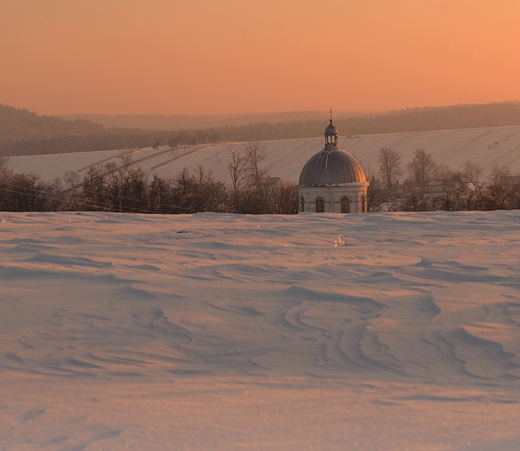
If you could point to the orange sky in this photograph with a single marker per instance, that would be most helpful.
(241, 56)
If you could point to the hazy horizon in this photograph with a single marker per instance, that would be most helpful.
(325, 112)
(207, 58)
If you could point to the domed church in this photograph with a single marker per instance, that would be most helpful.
(332, 181)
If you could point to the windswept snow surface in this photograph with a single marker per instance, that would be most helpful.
(227, 332)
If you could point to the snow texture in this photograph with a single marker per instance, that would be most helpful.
(228, 332)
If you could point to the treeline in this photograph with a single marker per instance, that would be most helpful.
(428, 186)
(419, 185)
(129, 189)
(54, 135)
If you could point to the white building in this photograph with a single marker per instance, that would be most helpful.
(332, 180)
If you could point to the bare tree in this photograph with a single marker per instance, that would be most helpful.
(93, 190)
(285, 198)
(71, 179)
(501, 174)
(27, 192)
(471, 171)
(389, 170)
(255, 156)
(3, 164)
(375, 193)
(126, 157)
(125, 190)
(258, 186)
(237, 172)
(159, 195)
(443, 173)
(422, 168)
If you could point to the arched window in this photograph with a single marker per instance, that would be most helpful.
(302, 208)
(320, 205)
(363, 204)
(345, 204)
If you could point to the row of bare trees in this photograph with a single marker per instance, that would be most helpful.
(432, 186)
(27, 192)
(127, 188)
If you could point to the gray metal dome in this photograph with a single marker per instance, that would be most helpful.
(331, 168)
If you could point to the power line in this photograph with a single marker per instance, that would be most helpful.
(100, 205)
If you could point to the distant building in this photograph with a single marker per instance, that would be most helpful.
(332, 180)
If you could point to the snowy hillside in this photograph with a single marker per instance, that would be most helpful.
(227, 332)
(500, 145)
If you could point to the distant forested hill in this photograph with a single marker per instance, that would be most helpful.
(22, 125)
(25, 133)
(439, 118)
(415, 119)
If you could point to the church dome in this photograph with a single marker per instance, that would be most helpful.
(332, 181)
(332, 166)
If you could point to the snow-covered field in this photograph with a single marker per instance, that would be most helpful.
(486, 146)
(224, 332)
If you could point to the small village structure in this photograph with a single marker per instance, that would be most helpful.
(332, 181)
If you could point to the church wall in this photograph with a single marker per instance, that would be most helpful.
(332, 197)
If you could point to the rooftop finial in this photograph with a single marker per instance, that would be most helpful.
(331, 115)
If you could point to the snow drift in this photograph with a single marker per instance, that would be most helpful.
(227, 332)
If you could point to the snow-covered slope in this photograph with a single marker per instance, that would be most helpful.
(500, 145)
(227, 332)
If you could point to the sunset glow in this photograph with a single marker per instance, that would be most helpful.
(207, 57)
